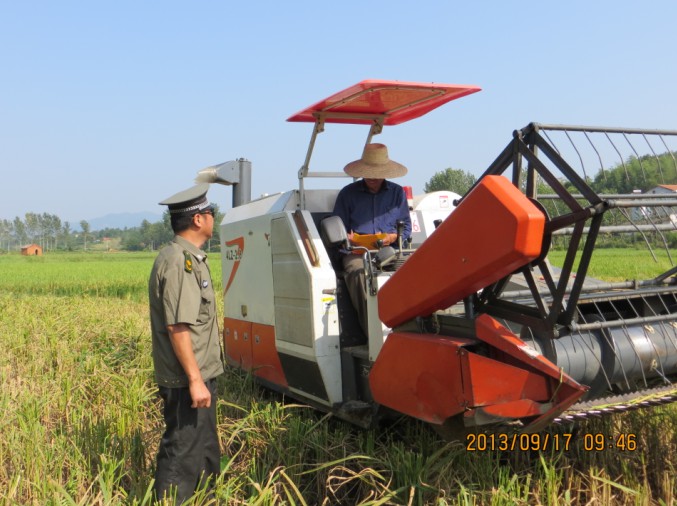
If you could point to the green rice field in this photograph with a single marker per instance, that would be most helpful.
(80, 421)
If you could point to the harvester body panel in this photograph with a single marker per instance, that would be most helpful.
(429, 209)
(279, 281)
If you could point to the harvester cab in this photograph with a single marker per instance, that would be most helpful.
(469, 332)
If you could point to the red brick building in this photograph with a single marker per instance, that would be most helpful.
(31, 249)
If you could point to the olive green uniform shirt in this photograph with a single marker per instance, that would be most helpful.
(180, 291)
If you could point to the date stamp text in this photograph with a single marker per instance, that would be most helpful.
(589, 442)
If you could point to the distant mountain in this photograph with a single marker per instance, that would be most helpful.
(121, 220)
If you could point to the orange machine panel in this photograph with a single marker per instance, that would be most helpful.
(565, 390)
(433, 378)
(494, 231)
(420, 375)
(493, 382)
(266, 362)
(237, 342)
(395, 101)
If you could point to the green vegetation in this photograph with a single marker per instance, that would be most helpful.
(93, 274)
(636, 173)
(49, 232)
(81, 423)
(620, 264)
(455, 180)
(643, 173)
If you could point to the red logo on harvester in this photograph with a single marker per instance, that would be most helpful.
(235, 254)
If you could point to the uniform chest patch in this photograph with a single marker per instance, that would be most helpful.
(188, 262)
(205, 283)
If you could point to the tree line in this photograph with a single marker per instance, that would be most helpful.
(634, 174)
(52, 234)
(46, 230)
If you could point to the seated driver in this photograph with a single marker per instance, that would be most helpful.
(371, 206)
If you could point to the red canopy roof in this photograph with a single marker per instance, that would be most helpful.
(396, 101)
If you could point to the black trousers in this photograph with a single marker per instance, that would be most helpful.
(353, 273)
(189, 455)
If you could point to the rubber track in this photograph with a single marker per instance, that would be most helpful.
(605, 406)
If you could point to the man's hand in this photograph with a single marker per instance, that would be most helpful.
(389, 239)
(202, 397)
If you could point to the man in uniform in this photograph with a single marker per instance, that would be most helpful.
(186, 349)
(371, 206)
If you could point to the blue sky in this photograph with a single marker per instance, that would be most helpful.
(112, 106)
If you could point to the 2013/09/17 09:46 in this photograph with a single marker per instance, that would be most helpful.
(543, 442)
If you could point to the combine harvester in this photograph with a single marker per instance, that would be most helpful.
(470, 326)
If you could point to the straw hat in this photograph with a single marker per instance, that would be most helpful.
(375, 164)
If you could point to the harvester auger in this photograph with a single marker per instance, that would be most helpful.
(469, 323)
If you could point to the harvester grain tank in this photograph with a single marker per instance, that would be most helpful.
(469, 324)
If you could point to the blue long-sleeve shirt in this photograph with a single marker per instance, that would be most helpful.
(370, 213)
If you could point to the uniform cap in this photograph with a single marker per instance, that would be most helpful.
(190, 201)
(375, 164)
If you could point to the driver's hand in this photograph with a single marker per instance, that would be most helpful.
(389, 239)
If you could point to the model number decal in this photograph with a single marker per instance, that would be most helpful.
(234, 254)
